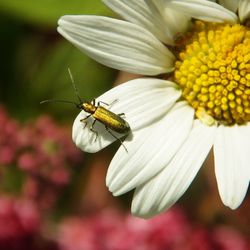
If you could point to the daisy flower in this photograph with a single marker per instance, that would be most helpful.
(199, 98)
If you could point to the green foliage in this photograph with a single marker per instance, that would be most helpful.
(35, 59)
(13, 179)
(53, 81)
(47, 12)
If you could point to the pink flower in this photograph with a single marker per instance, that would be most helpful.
(7, 155)
(27, 161)
(18, 218)
(111, 230)
(229, 239)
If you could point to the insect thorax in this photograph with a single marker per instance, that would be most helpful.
(88, 107)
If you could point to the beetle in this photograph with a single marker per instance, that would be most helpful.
(111, 121)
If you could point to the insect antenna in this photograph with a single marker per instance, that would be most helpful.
(78, 105)
(55, 100)
(74, 86)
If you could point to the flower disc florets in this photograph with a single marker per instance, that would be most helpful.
(214, 73)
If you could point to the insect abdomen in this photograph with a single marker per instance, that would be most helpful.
(111, 120)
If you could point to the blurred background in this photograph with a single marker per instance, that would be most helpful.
(53, 196)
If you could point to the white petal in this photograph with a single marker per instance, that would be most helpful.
(231, 153)
(245, 130)
(141, 100)
(204, 10)
(87, 140)
(117, 44)
(244, 10)
(149, 151)
(148, 17)
(176, 22)
(168, 186)
(230, 4)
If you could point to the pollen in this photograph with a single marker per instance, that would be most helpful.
(213, 72)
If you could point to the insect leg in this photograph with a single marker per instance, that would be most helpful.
(116, 138)
(94, 131)
(94, 102)
(122, 115)
(107, 104)
(92, 125)
(84, 120)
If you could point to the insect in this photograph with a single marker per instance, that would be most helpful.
(113, 122)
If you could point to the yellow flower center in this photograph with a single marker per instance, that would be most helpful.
(214, 73)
